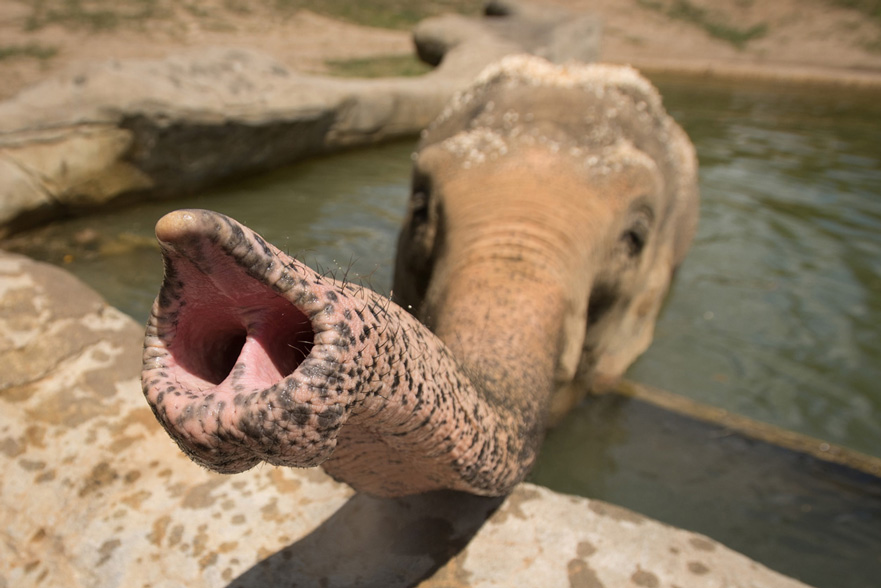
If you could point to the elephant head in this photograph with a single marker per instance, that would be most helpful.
(563, 197)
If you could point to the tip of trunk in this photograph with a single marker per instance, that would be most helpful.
(178, 225)
(242, 352)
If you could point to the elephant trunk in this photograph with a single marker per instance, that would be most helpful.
(251, 356)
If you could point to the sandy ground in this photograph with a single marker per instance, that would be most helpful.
(803, 39)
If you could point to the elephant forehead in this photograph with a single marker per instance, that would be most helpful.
(560, 120)
(480, 167)
(592, 114)
(591, 82)
(543, 144)
(533, 190)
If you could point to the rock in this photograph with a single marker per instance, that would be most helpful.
(551, 32)
(160, 128)
(589, 543)
(534, 538)
(95, 494)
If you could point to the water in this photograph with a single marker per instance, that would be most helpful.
(774, 315)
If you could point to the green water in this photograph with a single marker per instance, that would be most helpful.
(775, 315)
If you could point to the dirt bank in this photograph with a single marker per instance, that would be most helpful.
(784, 39)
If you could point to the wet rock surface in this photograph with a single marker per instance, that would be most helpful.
(95, 494)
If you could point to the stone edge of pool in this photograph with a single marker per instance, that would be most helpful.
(750, 428)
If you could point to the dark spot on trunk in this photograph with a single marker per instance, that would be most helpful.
(300, 414)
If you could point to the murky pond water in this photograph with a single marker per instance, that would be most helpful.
(776, 315)
(777, 312)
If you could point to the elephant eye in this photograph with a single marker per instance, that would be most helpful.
(634, 241)
(419, 207)
(420, 197)
(635, 237)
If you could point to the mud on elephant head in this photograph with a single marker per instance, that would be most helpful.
(550, 206)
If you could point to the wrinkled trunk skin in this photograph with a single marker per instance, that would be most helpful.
(251, 356)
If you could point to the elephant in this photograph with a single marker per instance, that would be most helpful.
(550, 206)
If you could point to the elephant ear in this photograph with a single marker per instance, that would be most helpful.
(417, 245)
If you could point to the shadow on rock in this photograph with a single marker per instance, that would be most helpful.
(377, 542)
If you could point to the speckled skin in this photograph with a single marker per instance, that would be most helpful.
(377, 398)
(536, 252)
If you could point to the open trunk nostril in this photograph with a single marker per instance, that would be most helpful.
(259, 340)
(208, 350)
(222, 356)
